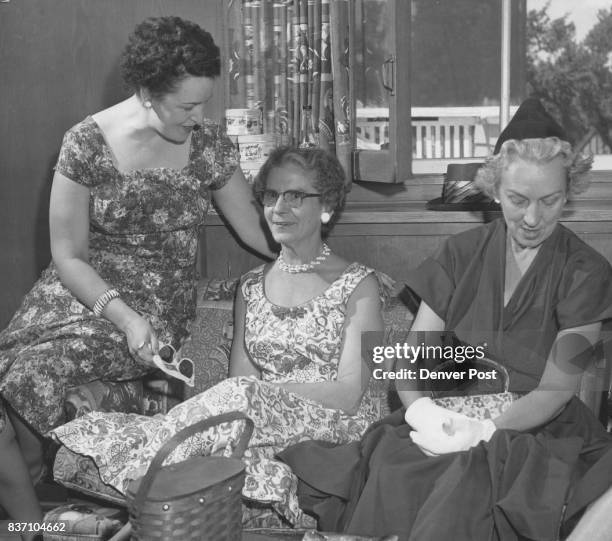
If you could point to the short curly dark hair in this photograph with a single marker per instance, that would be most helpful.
(328, 175)
(164, 50)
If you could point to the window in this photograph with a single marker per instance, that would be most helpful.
(459, 79)
(445, 59)
(428, 83)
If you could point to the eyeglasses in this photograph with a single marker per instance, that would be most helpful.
(293, 198)
(168, 361)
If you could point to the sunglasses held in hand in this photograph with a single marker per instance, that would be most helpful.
(168, 361)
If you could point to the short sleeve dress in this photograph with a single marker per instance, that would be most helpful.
(567, 285)
(143, 236)
(302, 344)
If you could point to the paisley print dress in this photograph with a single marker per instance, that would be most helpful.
(143, 236)
(301, 344)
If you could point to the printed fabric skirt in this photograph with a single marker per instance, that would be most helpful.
(123, 445)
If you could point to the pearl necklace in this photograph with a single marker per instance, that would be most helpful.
(303, 267)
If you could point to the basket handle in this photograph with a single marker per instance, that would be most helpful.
(499, 367)
(181, 436)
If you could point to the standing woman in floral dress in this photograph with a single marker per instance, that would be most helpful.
(295, 367)
(130, 193)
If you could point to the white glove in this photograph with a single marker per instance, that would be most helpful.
(470, 432)
(459, 435)
(431, 424)
(424, 415)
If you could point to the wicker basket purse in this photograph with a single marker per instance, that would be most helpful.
(197, 499)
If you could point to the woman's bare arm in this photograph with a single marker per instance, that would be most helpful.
(363, 314)
(69, 228)
(571, 352)
(425, 320)
(240, 363)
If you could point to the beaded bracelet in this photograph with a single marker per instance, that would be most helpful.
(103, 300)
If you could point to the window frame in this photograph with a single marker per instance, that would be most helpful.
(395, 165)
(392, 165)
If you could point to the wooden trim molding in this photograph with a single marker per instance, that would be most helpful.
(395, 236)
(415, 212)
(407, 212)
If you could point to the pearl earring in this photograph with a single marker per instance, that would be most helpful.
(147, 104)
(325, 217)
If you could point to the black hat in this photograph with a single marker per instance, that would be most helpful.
(530, 121)
(459, 192)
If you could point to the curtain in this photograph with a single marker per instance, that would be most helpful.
(285, 54)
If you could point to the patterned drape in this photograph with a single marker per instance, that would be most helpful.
(285, 54)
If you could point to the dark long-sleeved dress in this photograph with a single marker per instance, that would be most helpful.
(519, 485)
(143, 236)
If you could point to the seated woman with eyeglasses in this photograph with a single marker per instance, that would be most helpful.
(295, 364)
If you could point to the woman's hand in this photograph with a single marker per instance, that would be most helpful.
(457, 434)
(470, 432)
(141, 339)
(69, 227)
(432, 426)
(423, 415)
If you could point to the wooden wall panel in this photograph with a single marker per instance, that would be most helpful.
(58, 63)
(391, 248)
(392, 254)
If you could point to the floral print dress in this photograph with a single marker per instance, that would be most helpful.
(301, 344)
(143, 236)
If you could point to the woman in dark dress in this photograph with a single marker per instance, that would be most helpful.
(536, 295)
(131, 190)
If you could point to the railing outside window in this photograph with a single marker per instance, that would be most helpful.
(409, 85)
(450, 55)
